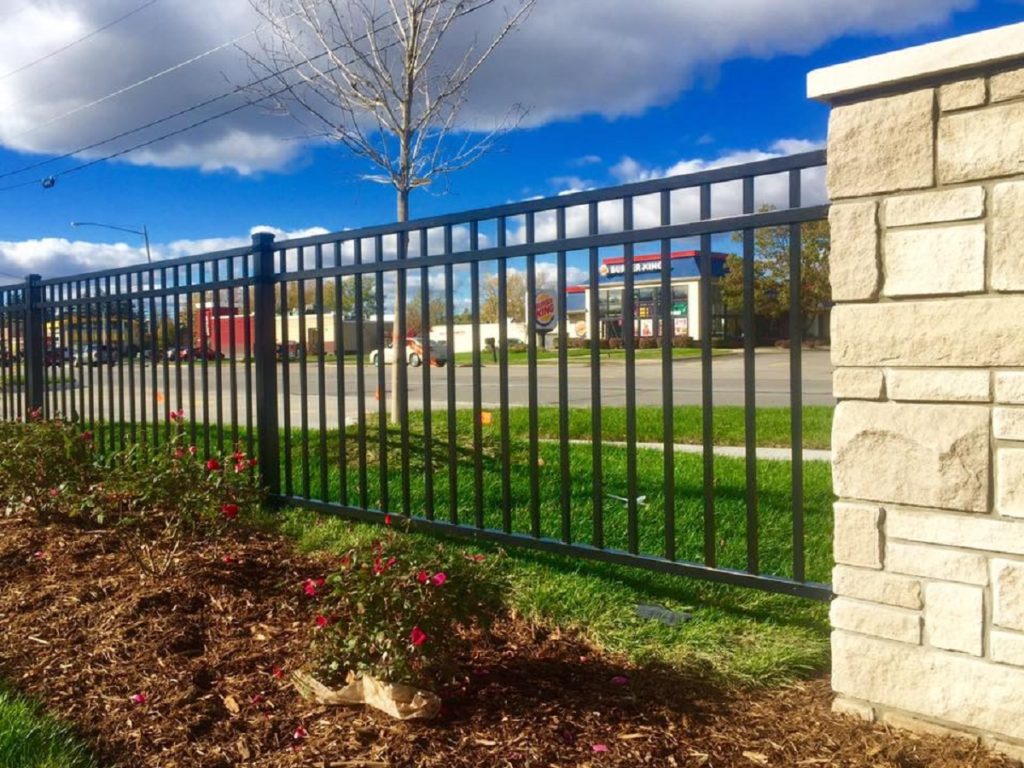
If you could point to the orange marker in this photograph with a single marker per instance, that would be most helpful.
(486, 418)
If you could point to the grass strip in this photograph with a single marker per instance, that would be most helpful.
(31, 739)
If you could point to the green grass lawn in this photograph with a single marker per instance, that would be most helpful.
(583, 355)
(772, 424)
(31, 739)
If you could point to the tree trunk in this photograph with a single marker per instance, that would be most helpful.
(397, 402)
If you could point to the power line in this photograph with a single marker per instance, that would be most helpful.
(137, 84)
(49, 181)
(73, 43)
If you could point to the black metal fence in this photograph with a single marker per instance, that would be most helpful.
(280, 349)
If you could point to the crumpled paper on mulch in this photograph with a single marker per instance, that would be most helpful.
(402, 702)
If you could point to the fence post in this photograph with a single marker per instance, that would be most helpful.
(264, 347)
(34, 345)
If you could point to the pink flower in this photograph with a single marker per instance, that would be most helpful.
(192, 450)
(417, 637)
(439, 578)
(620, 680)
(177, 416)
(139, 698)
(230, 511)
(599, 747)
(322, 621)
(212, 465)
(40, 555)
(54, 493)
(387, 519)
(310, 586)
(422, 577)
(179, 453)
(300, 733)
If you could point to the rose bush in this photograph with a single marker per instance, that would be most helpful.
(400, 613)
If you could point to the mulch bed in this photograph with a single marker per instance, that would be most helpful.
(211, 648)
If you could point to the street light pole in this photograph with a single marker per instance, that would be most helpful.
(144, 232)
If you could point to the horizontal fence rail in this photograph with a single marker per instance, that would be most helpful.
(519, 410)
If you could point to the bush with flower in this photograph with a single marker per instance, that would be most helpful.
(153, 496)
(401, 613)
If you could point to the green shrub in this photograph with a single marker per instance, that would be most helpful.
(400, 614)
(42, 463)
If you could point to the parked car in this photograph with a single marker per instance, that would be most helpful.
(414, 353)
(185, 354)
(97, 354)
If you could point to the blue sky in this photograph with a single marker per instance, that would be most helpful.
(743, 95)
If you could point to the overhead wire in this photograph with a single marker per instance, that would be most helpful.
(73, 43)
(139, 83)
(48, 181)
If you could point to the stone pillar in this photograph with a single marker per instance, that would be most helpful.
(926, 174)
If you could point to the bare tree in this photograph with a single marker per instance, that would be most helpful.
(375, 76)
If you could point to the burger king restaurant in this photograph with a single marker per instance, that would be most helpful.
(648, 301)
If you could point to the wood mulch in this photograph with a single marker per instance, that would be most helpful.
(192, 671)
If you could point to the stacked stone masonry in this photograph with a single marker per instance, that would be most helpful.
(927, 272)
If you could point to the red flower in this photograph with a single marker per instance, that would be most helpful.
(322, 621)
(230, 511)
(177, 416)
(380, 566)
(310, 586)
(387, 519)
(87, 436)
(417, 637)
(239, 456)
(277, 672)
(253, 462)
(346, 559)
(179, 453)
(227, 559)
(300, 733)
(212, 465)
(422, 577)
(439, 579)
(139, 698)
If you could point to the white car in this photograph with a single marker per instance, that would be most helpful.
(413, 354)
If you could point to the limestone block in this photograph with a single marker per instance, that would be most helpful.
(1007, 85)
(1006, 647)
(938, 260)
(918, 725)
(883, 145)
(876, 620)
(1008, 424)
(939, 385)
(1007, 244)
(962, 95)
(954, 617)
(858, 535)
(925, 455)
(853, 261)
(853, 708)
(980, 532)
(1010, 387)
(981, 143)
(936, 563)
(1008, 594)
(1010, 482)
(877, 587)
(953, 688)
(968, 333)
(959, 204)
(858, 383)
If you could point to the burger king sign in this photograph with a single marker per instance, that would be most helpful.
(544, 311)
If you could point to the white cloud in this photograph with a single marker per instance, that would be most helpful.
(572, 57)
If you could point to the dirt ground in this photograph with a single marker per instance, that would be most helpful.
(192, 671)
